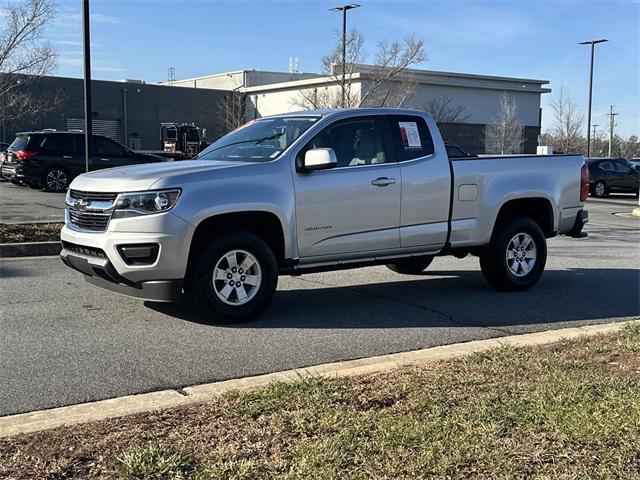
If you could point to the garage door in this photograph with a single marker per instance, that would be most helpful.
(108, 128)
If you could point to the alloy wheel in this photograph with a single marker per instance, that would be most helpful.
(56, 180)
(237, 277)
(521, 254)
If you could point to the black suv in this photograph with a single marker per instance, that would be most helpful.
(51, 160)
(607, 175)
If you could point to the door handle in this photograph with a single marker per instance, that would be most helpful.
(67, 157)
(383, 181)
(105, 159)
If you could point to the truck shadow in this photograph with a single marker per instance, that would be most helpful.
(444, 299)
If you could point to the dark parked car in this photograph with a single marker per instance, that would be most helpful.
(454, 151)
(607, 175)
(51, 160)
(3, 151)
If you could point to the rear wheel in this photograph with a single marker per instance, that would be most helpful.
(233, 279)
(600, 189)
(55, 179)
(515, 258)
(410, 266)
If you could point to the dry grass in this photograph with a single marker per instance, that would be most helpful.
(30, 232)
(569, 410)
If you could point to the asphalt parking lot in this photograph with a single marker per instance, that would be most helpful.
(64, 342)
(24, 204)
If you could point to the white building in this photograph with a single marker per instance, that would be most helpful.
(475, 98)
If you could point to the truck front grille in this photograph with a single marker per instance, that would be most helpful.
(93, 196)
(90, 221)
(90, 211)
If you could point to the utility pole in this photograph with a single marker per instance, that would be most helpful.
(344, 10)
(87, 85)
(611, 125)
(593, 44)
(593, 136)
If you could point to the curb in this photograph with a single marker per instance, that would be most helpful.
(130, 404)
(29, 249)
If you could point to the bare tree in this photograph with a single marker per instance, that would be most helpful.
(392, 59)
(384, 87)
(505, 134)
(332, 66)
(25, 57)
(232, 112)
(630, 148)
(443, 110)
(568, 124)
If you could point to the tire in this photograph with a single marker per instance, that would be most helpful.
(600, 189)
(515, 271)
(55, 179)
(410, 266)
(216, 300)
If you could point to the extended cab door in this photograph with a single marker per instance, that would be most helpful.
(426, 182)
(354, 207)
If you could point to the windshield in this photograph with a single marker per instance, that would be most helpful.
(259, 140)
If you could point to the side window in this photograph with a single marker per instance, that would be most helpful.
(59, 143)
(621, 167)
(411, 137)
(453, 151)
(104, 146)
(606, 166)
(356, 141)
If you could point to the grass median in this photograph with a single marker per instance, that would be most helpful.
(567, 410)
(30, 232)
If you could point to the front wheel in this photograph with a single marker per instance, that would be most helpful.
(515, 258)
(411, 265)
(233, 279)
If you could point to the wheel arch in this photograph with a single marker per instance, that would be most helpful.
(538, 209)
(263, 223)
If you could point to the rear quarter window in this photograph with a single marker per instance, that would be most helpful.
(19, 143)
(411, 137)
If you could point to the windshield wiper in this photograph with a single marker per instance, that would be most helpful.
(256, 140)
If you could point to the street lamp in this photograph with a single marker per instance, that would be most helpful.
(344, 10)
(593, 44)
(88, 117)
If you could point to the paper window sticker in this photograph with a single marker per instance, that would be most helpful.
(410, 135)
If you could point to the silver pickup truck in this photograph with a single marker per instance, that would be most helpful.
(314, 191)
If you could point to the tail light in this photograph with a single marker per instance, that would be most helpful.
(584, 183)
(25, 155)
(2, 157)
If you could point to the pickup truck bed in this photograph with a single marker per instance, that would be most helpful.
(316, 190)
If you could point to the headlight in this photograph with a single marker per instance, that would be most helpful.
(145, 203)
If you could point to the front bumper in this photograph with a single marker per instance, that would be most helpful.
(99, 256)
(101, 273)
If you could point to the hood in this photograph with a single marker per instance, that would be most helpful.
(142, 177)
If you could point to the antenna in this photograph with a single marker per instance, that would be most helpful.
(171, 75)
(293, 65)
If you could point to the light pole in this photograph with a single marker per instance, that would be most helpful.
(593, 45)
(344, 10)
(87, 85)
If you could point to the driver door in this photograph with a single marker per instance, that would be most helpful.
(353, 208)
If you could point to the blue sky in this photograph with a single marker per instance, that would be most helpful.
(523, 38)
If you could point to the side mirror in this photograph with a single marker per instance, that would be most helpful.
(319, 159)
